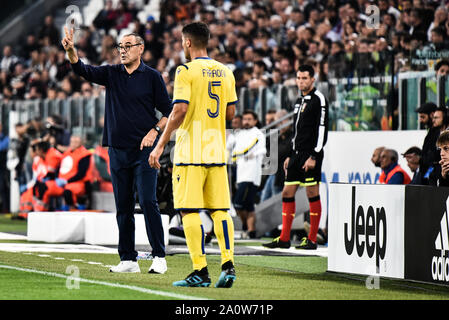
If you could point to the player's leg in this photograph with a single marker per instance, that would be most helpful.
(217, 199)
(194, 233)
(224, 231)
(188, 199)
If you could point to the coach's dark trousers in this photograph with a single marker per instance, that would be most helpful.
(130, 171)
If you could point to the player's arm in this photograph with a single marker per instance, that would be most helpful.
(69, 46)
(163, 104)
(319, 119)
(230, 112)
(97, 75)
(230, 108)
(174, 122)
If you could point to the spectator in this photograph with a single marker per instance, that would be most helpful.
(236, 125)
(51, 162)
(275, 183)
(375, 158)
(30, 46)
(124, 16)
(440, 176)
(418, 28)
(413, 157)
(440, 118)
(442, 68)
(248, 153)
(106, 17)
(4, 174)
(74, 177)
(9, 60)
(440, 17)
(56, 134)
(270, 116)
(49, 31)
(425, 114)
(392, 173)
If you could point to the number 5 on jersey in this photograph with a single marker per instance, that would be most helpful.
(214, 97)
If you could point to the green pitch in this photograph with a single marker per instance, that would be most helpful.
(50, 276)
(14, 226)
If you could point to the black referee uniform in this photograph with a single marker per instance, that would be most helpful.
(310, 135)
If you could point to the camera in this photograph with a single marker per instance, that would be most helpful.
(53, 129)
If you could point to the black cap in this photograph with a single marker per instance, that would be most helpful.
(412, 150)
(427, 108)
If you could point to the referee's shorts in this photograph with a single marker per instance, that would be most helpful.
(296, 175)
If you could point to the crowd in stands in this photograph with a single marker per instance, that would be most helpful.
(262, 41)
(429, 163)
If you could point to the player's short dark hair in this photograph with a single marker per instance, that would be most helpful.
(307, 68)
(198, 32)
(251, 112)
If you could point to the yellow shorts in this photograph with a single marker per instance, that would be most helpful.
(200, 187)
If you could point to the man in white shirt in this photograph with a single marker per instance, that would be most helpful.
(249, 150)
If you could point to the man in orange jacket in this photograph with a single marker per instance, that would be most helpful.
(52, 160)
(75, 171)
(392, 172)
(39, 172)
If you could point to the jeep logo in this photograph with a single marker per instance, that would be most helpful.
(364, 226)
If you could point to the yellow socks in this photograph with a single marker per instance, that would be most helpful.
(194, 232)
(224, 231)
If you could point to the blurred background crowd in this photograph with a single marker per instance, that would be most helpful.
(262, 41)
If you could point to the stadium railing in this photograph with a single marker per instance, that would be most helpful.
(355, 104)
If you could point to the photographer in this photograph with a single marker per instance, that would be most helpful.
(56, 134)
(19, 148)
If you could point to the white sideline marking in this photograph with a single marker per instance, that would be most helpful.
(55, 247)
(11, 236)
(115, 285)
(319, 252)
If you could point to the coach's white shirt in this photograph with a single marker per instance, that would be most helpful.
(249, 150)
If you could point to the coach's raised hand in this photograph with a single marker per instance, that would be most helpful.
(69, 46)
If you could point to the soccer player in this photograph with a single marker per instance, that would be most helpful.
(204, 98)
(303, 167)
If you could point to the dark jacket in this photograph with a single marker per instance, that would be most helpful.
(436, 179)
(311, 123)
(430, 155)
(131, 101)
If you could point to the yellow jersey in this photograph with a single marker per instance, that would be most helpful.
(208, 87)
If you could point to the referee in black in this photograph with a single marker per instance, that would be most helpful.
(133, 93)
(303, 167)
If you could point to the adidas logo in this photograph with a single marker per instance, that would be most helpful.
(440, 264)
